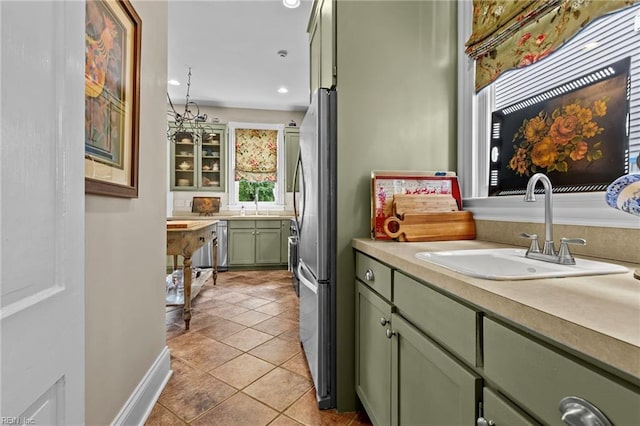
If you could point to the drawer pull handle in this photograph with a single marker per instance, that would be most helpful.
(390, 333)
(579, 412)
(484, 422)
(384, 321)
(369, 275)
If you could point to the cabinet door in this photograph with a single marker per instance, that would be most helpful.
(500, 412)
(429, 387)
(267, 246)
(211, 159)
(242, 247)
(373, 354)
(285, 233)
(183, 162)
(292, 146)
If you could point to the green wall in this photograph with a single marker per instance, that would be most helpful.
(396, 82)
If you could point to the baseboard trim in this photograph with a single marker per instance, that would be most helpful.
(139, 405)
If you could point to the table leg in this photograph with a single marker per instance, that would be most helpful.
(214, 260)
(186, 275)
(175, 262)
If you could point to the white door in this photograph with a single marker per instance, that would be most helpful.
(42, 212)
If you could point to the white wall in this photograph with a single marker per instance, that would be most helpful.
(125, 249)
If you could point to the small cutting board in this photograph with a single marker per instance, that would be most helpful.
(436, 226)
(422, 203)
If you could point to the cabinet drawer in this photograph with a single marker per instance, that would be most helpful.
(537, 377)
(242, 224)
(374, 274)
(265, 224)
(448, 322)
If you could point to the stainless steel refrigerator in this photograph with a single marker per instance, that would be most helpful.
(317, 242)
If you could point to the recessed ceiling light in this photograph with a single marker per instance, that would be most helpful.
(591, 45)
(283, 90)
(174, 82)
(291, 4)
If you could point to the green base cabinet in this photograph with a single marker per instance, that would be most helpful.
(292, 148)
(373, 354)
(285, 233)
(257, 242)
(498, 411)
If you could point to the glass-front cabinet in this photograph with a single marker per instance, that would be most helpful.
(198, 157)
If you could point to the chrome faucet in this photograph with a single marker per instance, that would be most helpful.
(548, 254)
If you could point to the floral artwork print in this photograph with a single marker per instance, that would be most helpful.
(104, 91)
(256, 155)
(552, 141)
(576, 133)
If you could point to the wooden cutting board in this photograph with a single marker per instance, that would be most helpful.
(436, 226)
(421, 203)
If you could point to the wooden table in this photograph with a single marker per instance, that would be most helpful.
(184, 237)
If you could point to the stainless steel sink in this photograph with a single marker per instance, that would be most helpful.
(511, 264)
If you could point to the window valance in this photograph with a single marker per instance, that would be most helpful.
(256, 155)
(509, 34)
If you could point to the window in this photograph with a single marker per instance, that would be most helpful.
(616, 39)
(255, 169)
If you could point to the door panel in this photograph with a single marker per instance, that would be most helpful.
(42, 211)
(242, 246)
(268, 245)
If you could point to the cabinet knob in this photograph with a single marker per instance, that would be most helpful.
(369, 275)
(580, 412)
(484, 422)
(384, 321)
(390, 333)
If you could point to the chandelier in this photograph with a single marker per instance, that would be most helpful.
(188, 121)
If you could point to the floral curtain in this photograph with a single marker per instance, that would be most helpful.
(511, 34)
(256, 155)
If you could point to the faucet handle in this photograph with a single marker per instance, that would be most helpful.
(534, 247)
(564, 255)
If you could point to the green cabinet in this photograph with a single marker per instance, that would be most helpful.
(499, 411)
(292, 148)
(256, 242)
(403, 375)
(197, 158)
(322, 45)
(373, 354)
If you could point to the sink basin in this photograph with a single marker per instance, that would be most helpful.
(510, 264)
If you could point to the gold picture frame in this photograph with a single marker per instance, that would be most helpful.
(112, 98)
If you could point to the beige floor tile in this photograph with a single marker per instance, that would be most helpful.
(228, 310)
(275, 326)
(203, 352)
(283, 420)
(298, 364)
(272, 308)
(242, 371)
(276, 350)
(305, 410)
(160, 416)
(232, 297)
(293, 334)
(253, 302)
(239, 410)
(221, 328)
(279, 388)
(247, 339)
(190, 392)
(250, 318)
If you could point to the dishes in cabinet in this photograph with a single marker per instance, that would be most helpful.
(184, 166)
(206, 167)
(184, 182)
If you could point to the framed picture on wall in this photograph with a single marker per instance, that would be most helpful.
(113, 32)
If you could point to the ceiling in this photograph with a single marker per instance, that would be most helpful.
(232, 48)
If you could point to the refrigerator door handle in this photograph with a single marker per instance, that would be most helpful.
(298, 172)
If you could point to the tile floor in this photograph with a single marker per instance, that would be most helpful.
(241, 362)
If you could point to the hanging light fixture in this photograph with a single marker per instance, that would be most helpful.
(187, 121)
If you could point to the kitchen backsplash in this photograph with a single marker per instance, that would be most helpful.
(608, 243)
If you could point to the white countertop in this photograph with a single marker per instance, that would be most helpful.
(277, 215)
(595, 315)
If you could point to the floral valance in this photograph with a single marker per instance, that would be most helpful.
(511, 34)
(256, 155)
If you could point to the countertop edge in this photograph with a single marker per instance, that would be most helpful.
(617, 350)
